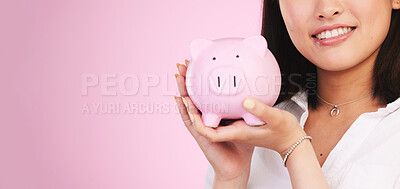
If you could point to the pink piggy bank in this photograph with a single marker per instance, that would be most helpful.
(223, 72)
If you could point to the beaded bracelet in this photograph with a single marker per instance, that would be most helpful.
(293, 147)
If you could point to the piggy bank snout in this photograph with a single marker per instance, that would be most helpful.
(227, 81)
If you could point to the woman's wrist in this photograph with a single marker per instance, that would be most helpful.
(236, 183)
(304, 168)
(294, 147)
(290, 144)
(303, 147)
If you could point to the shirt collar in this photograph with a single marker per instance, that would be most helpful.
(300, 98)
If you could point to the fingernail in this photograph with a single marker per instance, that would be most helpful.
(175, 97)
(249, 104)
(176, 75)
(177, 65)
(186, 62)
(185, 102)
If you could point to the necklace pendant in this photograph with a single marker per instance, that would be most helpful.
(334, 111)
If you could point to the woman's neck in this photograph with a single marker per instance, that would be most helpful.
(337, 87)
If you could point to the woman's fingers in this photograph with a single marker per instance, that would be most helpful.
(180, 78)
(185, 117)
(182, 69)
(220, 134)
(198, 124)
(271, 115)
(238, 131)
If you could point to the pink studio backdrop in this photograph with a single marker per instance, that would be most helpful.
(68, 117)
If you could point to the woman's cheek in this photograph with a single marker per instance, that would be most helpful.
(374, 30)
(295, 11)
(296, 16)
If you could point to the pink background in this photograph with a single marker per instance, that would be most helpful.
(46, 46)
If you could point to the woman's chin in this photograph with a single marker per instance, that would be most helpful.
(334, 66)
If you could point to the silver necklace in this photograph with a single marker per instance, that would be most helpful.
(335, 110)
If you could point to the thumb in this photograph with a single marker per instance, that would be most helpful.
(266, 113)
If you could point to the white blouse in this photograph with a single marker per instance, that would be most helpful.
(367, 156)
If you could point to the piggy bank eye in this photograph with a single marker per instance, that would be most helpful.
(214, 58)
(237, 56)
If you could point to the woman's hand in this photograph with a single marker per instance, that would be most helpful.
(279, 133)
(230, 160)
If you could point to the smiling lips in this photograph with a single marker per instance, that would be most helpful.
(332, 35)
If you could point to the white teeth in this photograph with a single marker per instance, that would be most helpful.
(340, 31)
(328, 34)
(333, 33)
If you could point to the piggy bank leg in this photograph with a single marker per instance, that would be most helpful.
(251, 119)
(211, 120)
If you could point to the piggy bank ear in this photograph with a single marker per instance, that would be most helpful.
(259, 44)
(198, 45)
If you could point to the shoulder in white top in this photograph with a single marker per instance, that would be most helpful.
(367, 156)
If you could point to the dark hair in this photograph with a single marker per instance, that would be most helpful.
(298, 73)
